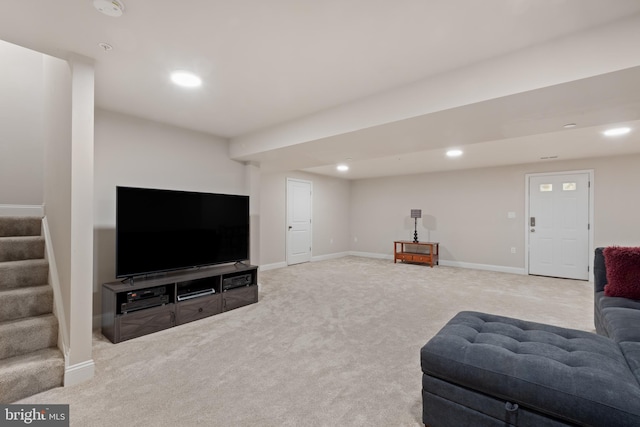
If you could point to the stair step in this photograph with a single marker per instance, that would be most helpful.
(20, 226)
(18, 303)
(22, 336)
(21, 248)
(32, 272)
(24, 376)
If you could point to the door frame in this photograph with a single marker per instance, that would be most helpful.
(286, 215)
(527, 179)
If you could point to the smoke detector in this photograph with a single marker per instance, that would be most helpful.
(112, 8)
(105, 46)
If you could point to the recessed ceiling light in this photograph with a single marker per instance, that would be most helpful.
(616, 131)
(569, 125)
(454, 153)
(113, 8)
(185, 79)
(342, 168)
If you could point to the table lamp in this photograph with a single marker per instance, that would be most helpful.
(415, 214)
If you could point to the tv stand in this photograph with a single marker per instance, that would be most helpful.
(149, 304)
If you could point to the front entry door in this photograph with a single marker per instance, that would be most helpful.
(298, 221)
(558, 225)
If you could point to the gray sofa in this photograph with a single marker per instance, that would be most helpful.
(488, 370)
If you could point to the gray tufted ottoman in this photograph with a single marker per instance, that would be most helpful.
(487, 370)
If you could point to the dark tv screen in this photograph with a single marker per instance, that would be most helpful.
(162, 230)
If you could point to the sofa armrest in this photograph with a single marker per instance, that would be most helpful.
(599, 271)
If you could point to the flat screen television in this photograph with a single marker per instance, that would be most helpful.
(162, 230)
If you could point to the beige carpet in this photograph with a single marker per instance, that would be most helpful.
(332, 343)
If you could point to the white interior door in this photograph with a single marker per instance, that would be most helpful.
(298, 221)
(559, 225)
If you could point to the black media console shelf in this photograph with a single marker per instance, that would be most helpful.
(163, 301)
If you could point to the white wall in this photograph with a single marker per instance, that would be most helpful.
(330, 216)
(617, 201)
(21, 121)
(139, 153)
(466, 211)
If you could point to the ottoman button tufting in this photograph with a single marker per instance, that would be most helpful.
(511, 416)
(511, 407)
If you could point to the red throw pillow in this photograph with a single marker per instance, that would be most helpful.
(623, 272)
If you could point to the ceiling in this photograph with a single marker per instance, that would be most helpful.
(523, 128)
(265, 63)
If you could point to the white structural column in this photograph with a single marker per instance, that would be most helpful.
(80, 362)
(252, 188)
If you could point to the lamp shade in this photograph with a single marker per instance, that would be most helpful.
(416, 213)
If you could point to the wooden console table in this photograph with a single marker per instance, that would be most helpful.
(421, 252)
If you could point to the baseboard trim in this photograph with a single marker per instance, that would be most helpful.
(371, 255)
(329, 256)
(22, 210)
(78, 373)
(469, 265)
(273, 266)
(317, 258)
(487, 267)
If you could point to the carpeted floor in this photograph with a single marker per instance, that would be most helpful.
(331, 343)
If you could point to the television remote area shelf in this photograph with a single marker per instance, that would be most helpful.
(163, 301)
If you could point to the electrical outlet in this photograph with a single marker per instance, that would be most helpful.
(513, 249)
(355, 239)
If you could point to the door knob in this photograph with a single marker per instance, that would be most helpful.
(290, 227)
(533, 230)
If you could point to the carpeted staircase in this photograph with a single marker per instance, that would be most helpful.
(30, 361)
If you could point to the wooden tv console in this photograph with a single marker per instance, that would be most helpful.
(155, 303)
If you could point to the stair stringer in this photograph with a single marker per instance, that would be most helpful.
(80, 372)
(58, 307)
